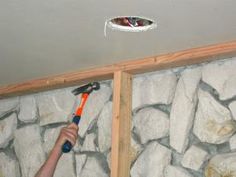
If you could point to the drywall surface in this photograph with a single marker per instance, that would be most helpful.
(42, 38)
(30, 125)
(184, 122)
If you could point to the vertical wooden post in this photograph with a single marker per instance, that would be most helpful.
(121, 125)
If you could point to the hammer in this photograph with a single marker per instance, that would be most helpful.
(85, 91)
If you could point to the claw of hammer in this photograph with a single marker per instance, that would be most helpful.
(86, 88)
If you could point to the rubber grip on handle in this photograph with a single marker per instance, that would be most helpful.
(67, 146)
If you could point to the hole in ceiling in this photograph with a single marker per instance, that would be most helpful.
(130, 24)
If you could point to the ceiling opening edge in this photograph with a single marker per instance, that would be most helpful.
(129, 28)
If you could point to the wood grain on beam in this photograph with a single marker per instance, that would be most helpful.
(121, 125)
(186, 57)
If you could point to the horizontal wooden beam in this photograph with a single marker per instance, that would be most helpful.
(181, 58)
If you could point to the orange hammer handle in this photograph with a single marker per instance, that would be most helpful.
(84, 98)
(67, 146)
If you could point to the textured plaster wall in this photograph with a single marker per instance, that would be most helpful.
(183, 125)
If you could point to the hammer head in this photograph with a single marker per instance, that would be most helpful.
(86, 88)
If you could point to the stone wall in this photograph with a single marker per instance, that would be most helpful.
(184, 125)
(184, 122)
(29, 126)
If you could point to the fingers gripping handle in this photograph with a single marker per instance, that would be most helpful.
(67, 146)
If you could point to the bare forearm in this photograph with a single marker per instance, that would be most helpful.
(48, 168)
(69, 133)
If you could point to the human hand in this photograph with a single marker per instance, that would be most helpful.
(69, 133)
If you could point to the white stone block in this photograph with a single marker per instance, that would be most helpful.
(7, 128)
(8, 105)
(29, 150)
(152, 161)
(155, 88)
(80, 161)
(136, 91)
(232, 142)
(93, 107)
(213, 122)
(222, 77)
(89, 143)
(55, 106)
(194, 157)
(65, 166)
(92, 168)
(232, 107)
(150, 124)
(8, 167)
(160, 88)
(104, 124)
(183, 108)
(28, 109)
(222, 165)
(50, 137)
(174, 171)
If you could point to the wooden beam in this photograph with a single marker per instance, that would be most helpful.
(121, 125)
(186, 57)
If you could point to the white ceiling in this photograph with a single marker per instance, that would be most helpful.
(40, 38)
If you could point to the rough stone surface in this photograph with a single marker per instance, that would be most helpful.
(222, 165)
(222, 77)
(213, 123)
(150, 124)
(134, 152)
(8, 105)
(109, 159)
(7, 128)
(77, 146)
(8, 167)
(152, 161)
(194, 158)
(89, 143)
(55, 106)
(153, 133)
(28, 109)
(174, 171)
(176, 158)
(160, 87)
(29, 150)
(80, 161)
(94, 105)
(104, 128)
(183, 108)
(93, 168)
(135, 149)
(65, 166)
(50, 137)
(136, 86)
(232, 142)
(232, 107)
